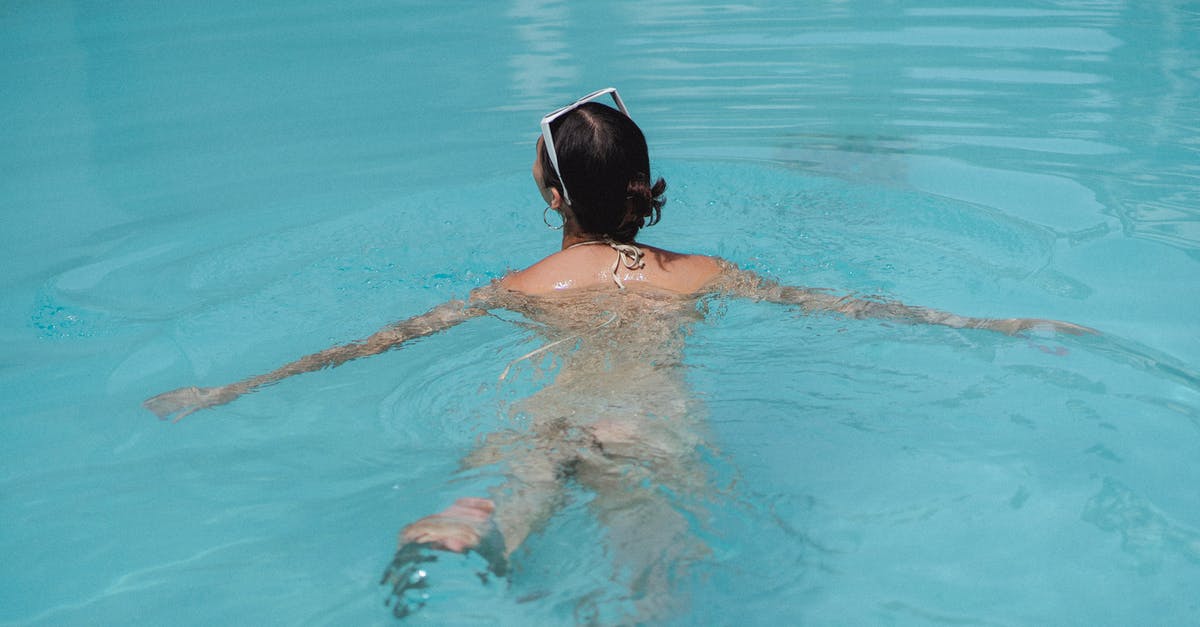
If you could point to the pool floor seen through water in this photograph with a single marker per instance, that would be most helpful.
(193, 195)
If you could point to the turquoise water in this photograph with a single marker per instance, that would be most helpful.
(194, 195)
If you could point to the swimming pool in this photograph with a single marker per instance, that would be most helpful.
(193, 195)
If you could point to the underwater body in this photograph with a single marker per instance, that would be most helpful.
(195, 195)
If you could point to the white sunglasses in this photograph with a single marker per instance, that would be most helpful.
(548, 139)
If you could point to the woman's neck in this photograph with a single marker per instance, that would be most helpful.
(569, 242)
(573, 236)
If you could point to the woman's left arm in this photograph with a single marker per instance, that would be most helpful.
(744, 283)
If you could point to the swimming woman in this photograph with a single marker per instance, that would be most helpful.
(617, 418)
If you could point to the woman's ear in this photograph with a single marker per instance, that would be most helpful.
(556, 198)
(553, 197)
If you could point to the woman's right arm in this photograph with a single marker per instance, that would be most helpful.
(738, 282)
(183, 401)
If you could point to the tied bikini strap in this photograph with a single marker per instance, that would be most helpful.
(628, 255)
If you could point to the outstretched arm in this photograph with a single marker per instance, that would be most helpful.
(740, 282)
(184, 401)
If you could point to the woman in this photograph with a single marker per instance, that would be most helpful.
(617, 419)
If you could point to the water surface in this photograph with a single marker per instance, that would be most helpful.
(195, 195)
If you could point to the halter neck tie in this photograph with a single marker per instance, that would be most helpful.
(628, 255)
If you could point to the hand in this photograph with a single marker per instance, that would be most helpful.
(187, 400)
(1013, 326)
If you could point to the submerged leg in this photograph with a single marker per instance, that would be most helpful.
(645, 482)
(493, 528)
(459, 528)
(536, 464)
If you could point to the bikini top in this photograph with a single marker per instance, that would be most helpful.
(628, 255)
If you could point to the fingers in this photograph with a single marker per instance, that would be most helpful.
(1061, 327)
(180, 403)
(1013, 326)
(161, 407)
(1007, 326)
(184, 414)
(152, 405)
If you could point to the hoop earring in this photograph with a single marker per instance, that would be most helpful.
(545, 218)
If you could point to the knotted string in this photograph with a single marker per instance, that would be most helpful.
(628, 255)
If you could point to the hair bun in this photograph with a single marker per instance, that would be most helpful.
(644, 202)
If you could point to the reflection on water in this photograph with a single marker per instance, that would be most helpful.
(545, 63)
(1105, 83)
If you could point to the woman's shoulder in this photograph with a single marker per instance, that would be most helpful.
(683, 272)
(546, 275)
(665, 270)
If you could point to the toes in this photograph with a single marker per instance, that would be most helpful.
(410, 535)
(457, 545)
(473, 510)
(457, 529)
(485, 505)
(440, 531)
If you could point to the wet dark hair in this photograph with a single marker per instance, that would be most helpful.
(603, 157)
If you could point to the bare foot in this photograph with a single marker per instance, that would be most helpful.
(457, 528)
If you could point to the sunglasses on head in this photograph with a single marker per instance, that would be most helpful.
(548, 138)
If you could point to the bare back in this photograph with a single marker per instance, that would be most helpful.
(608, 340)
(592, 266)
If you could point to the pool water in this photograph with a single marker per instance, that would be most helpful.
(192, 195)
